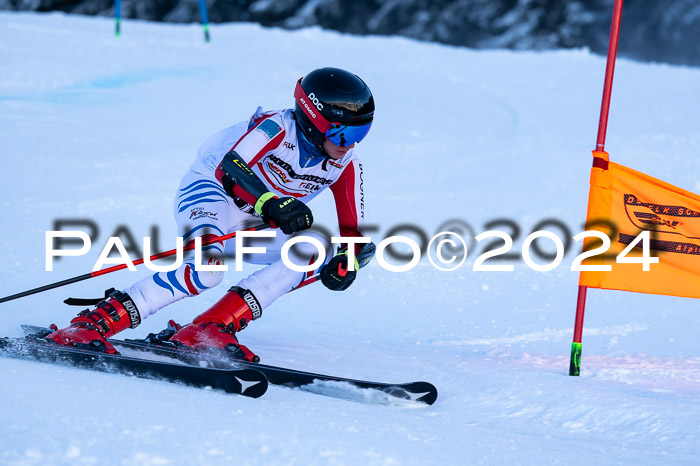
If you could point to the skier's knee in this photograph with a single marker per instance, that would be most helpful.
(203, 279)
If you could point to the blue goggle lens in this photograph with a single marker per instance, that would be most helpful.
(347, 135)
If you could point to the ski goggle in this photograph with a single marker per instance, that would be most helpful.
(340, 134)
(345, 135)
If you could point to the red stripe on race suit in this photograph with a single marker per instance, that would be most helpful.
(274, 143)
(308, 277)
(346, 204)
(188, 270)
(188, 281)
(310, 273)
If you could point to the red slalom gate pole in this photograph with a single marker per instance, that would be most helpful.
(575, 361)
(161, 255)
(609, 72)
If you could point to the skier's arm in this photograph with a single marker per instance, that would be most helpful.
(234, 171)
(349, 202)
(239, 180)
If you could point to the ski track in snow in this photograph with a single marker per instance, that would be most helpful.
(102, 128)
(547, 335)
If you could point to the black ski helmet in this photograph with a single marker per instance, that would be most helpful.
(330, 98)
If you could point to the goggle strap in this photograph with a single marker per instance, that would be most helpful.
(309, 109)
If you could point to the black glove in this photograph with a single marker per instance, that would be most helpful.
(335, 274)
(288, 213)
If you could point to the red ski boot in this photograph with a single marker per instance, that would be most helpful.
(92, 328)
(217, 326)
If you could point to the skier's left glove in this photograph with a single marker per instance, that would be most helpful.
(289, 214)
(335, 274)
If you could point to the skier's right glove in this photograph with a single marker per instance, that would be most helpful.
(335, 275)
(288, 213)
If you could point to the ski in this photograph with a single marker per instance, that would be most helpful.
(421, 392)
(242, 381)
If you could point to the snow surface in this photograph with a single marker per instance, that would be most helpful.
(102, 128)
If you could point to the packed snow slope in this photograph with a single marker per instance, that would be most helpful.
(102, 128)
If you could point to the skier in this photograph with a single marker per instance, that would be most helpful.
(261, 168)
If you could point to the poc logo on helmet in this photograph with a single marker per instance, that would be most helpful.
(315, 101)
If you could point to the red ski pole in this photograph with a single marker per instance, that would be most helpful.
(86, 276)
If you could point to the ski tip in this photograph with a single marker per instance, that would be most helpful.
(251, 383)
(422, 392)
